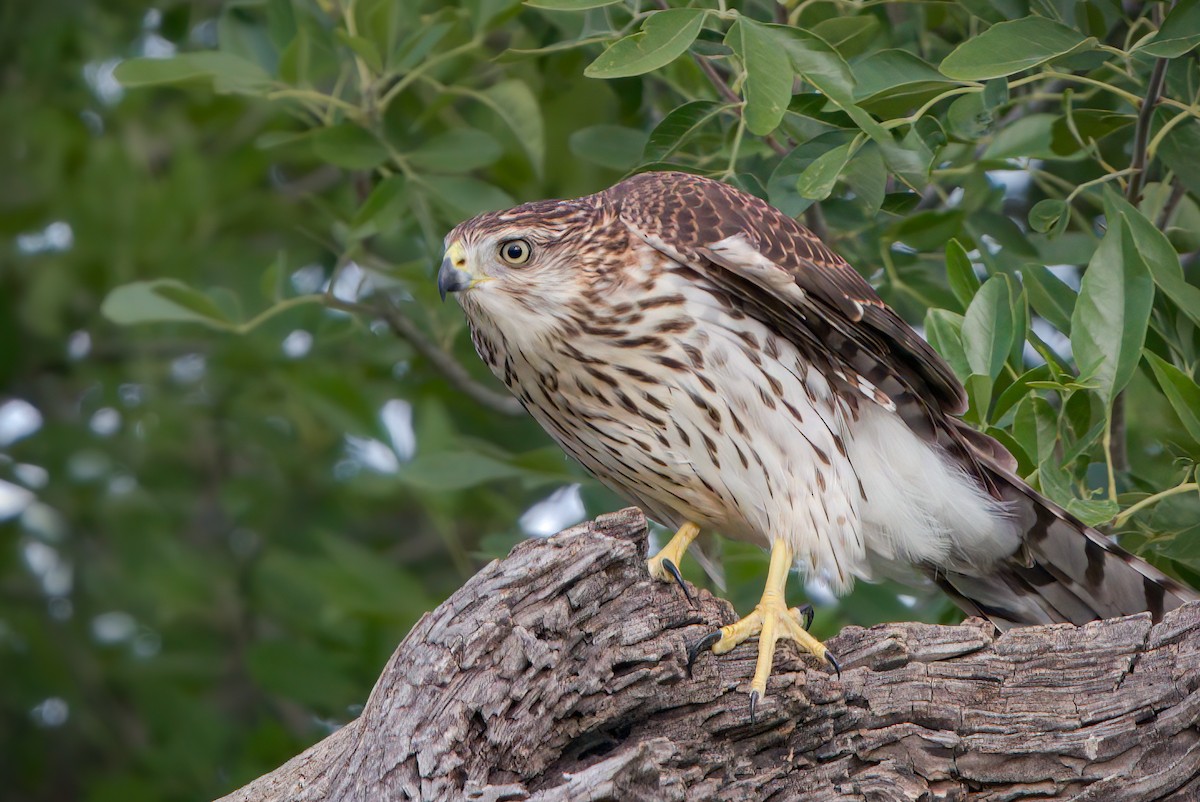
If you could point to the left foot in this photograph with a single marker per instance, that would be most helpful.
(770, 621)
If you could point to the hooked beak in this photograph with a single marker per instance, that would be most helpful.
(452, 278)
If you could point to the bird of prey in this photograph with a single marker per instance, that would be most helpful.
(711, 360)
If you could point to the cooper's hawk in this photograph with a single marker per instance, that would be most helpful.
(708, 358)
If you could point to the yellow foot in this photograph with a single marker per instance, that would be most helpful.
(770, 621)
(664, 566)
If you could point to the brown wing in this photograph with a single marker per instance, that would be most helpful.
(790, 279)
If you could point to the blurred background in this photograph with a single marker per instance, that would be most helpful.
(243, 447)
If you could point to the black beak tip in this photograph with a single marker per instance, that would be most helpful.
(451, 279)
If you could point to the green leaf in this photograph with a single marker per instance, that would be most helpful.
(1180, 32)
(818, 179)
(866, 175)
(421, 41)
(1035, 428)
(1181, 390)
(961, 273)
(464, 196)
(458, 150)
(768, 84)
(1054, 482)
(363, 48)
(995, 93)
(1049, 295)
(781, 186)
(570, 5)
(1019, 389)
(988, 327)
(1020, 318)
(349, 146)
(820, 65)
(1009, 47)
(1028, 137)
(1090, 124)
(444, 471)
(271, 282)
(381, 22)
(484, 13)
(968, 117)
(515, 104)
(1158, 254)
(613, 146)
(1049, 215)
(162, 301)
(382, 206)
(850, 36)
(1179, 148)
(1068, 248)
(896, 76)
(928, 230)
(228, 72)
(679, 125)
(943, 329)
(1093, 511)
(1108, 325)
(664, 37)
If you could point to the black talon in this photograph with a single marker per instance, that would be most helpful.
(806, 611)
(674, 572)
(833, 662)
(753, 704)
(699, 646)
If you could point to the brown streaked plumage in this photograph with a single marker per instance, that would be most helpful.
(707, 357)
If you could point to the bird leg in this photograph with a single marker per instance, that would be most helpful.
(770, 621)
(664, 566)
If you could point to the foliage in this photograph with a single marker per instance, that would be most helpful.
(276, 449)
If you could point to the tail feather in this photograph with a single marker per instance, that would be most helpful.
(1065, 571)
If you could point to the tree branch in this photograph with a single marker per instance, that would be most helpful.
(559, 674)
(403, 326)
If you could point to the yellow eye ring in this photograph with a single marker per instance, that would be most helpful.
(516, 251)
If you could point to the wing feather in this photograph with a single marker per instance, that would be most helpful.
(786, 276)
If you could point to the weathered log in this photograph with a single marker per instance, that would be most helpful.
(559, 673)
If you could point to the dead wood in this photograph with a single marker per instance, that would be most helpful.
(558, 673)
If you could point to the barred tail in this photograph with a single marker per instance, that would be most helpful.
(1064, 571)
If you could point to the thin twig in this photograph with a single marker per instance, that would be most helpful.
(1178, 190)
(1154, 499)
(715, 78)
(403, 326)
(449, 367)
(1141, 134)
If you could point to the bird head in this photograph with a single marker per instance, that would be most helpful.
(524, 266)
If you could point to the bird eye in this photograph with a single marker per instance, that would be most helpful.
(515, 251)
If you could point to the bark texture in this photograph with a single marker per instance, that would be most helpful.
(559, 673)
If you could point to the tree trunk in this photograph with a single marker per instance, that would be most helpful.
(559, 673)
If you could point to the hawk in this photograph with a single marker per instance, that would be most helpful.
(711, 360)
